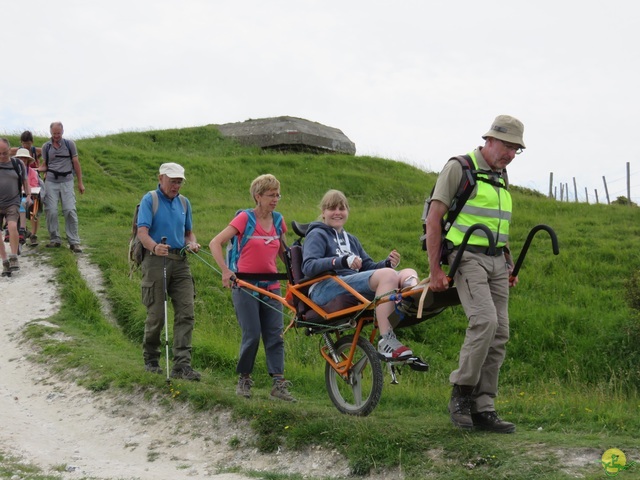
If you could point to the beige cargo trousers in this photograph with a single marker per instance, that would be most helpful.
(482, 282)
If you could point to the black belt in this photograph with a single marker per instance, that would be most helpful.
(484, 250)
(174, 254)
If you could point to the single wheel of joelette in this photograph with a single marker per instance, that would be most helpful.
(360, 393)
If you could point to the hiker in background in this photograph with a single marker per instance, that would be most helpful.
(26, 141)
(60, 164)
(13, 178)
(482, 279)
(171, 220)
(264, 232)
(328, 247)
(35, 184)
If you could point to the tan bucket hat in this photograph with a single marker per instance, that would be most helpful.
(508, 129)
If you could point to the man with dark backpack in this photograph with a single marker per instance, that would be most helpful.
(13, 178)
(483, 276)
(61, 164)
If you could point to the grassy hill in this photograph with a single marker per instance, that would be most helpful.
(572, 372)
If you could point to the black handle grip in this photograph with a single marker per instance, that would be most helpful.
(463, 245)
(523, 252)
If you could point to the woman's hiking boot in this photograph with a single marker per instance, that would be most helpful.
(280, 390)
(243, 389)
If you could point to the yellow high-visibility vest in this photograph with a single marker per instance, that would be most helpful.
(491, 206)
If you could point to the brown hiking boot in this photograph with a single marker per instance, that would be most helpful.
(75, 248)
(280, 391)
(460, 407)
(491, 422)
(244, 387)
(153, 367)
(6, 268)
(13, 263)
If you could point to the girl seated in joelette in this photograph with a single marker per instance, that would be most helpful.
(329, 247)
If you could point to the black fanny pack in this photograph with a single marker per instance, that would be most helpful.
(60, 174)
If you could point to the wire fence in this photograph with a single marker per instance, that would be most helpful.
(617, 189)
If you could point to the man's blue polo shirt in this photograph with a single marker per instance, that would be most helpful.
(170, 220)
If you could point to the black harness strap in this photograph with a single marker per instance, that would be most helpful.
(46, 159)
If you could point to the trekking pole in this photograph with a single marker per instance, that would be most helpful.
(166, 320)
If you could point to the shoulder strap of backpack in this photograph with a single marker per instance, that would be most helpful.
(183, 200)
(68, 144)
(154, 202)
(277, 221)
(47, 148)
(249, 229)
(18, 169)
(45, 153)
(467, 184)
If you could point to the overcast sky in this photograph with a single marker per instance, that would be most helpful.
(416, 80)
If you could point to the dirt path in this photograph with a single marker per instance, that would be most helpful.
(57, 425)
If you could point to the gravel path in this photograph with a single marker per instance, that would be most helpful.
(56, 425)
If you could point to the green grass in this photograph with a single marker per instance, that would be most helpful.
(569, 382)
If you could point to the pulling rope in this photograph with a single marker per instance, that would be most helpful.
(258, 297)
(393, 295)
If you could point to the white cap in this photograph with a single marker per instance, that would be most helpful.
(172, 170)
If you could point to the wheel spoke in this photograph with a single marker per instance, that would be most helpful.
(356, 388)
(360, 365)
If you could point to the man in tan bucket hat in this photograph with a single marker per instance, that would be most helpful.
(483, 277)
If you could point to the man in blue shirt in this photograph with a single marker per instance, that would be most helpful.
(165, 213)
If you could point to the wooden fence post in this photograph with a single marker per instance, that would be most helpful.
(606, 190)
(629, 183)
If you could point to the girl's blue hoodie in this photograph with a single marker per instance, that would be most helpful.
(322, 246)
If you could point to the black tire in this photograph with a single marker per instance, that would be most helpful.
(361, 393)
